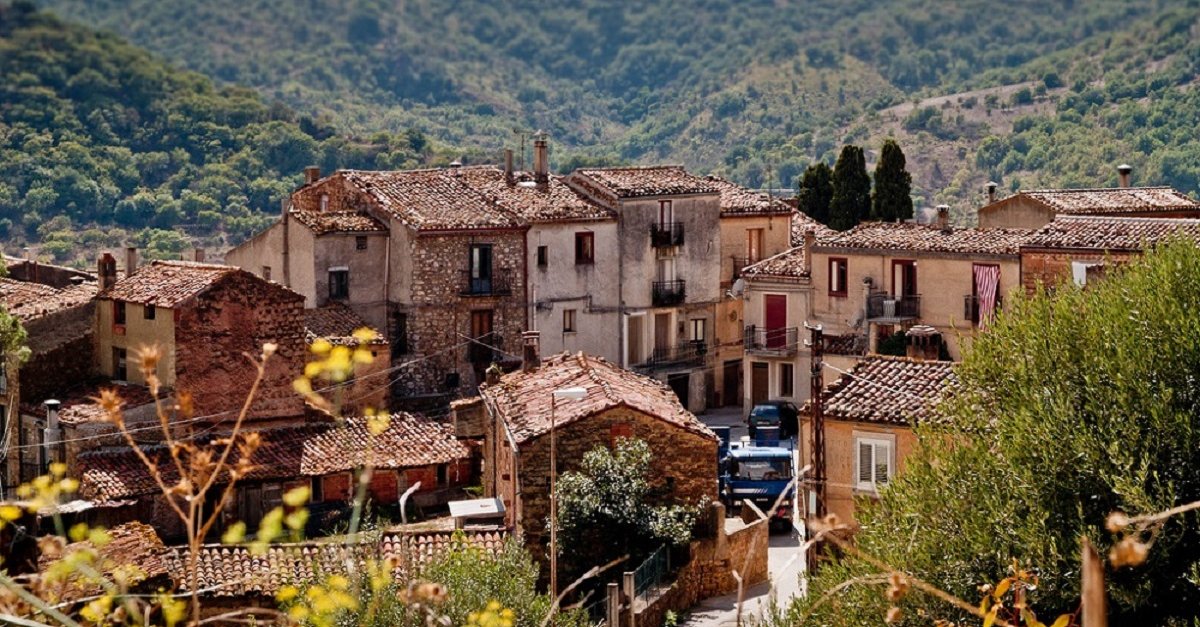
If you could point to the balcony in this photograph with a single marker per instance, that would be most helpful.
(780, 342)
(668, 293)
(884, 308)
(686, 355)
(481, 351)
(738, 263)
(971, 307)
(499, 283)
(666, 234)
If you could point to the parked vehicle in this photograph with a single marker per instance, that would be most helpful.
(782, 414)
(761, 474)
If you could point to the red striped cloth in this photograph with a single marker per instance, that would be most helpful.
(987, 283)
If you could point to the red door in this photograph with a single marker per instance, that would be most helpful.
(776, 320)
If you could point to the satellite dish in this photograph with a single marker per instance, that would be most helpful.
(738, 288)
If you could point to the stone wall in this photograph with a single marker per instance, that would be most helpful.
(1050, 268)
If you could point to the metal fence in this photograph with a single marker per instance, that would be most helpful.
(652, 572)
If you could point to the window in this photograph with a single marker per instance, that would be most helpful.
(568, 321)
(443, 474)
(480, 260)
(837, 276)
(873, 464)
(148, 312)
(324, 202)
(754, 245)
(266, 273)
(360, 242)
(787, 380)
(698, 334)
(339, 283)
(543, 256)
(118, 312)
(119, 364)
(585, 252)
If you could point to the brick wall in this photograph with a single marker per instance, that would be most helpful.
(1052, 267)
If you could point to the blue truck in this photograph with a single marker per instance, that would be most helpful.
(759, 471)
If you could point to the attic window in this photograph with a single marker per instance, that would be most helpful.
(360, 242)
(148, 312)
(118, 312)
(585, 252)
(543, 256)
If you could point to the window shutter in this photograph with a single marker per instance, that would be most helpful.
(866, 460)
(882, 463)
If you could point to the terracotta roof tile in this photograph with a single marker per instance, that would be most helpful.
(322, 222)
(1109, 233)
(336, 323)
(737, 200)
(30, 301)
(409, 441)
(1113, 200)
(523, 398)
(887, 389)
(557, 202)
(167, 283)
(437, 199)
(802, 223)
(79, 408)
(132, 544)
(659, 180)
(846, 344)
(416, 549)
(787, 264)
(908, 236)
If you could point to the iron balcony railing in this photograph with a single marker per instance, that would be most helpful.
(497, 282)
(667, 293)
(882, 306)
(666, 234)
(971, 307)
(687, 355)
(486, 349)
(779, 341)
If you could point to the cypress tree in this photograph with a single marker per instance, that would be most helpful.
(892, 201)
(815, 191)
(851, 202)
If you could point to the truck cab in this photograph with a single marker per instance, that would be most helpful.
(762, 473)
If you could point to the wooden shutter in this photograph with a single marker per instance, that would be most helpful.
(866, 462)
(883, 457)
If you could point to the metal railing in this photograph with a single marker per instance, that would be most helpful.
(881, 305)
(779, 341)
(664, 234)
(681, 355)
(971, 307)
(481, 352)
(652, 572)
(497, 282)
(667, 293)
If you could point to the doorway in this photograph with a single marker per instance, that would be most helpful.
(760, 375)
(680, 384)
(733, 382)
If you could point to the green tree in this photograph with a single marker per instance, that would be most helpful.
(1070, 407)
(851, 201)
(815, 191)
(892, 201)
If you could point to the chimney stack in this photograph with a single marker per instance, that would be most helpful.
(923, 343)
(541, 162)
(131, 261)
(991, 191)
(509, 178)
(531, 357)
(810, 239)
(52, 435)
(198, 255)
(106, 269)
(1123, 172)
(312, 174)
(943, 217)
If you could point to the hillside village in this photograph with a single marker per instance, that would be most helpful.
(504, 323)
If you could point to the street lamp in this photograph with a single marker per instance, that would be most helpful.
(574, 393)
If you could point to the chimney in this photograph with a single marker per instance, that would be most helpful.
(810, 239)
(198, 255)
(541, 162)
(131, 260)
(52, 435)
(923, 343)
(991, 191)
(943, 218)
(531, 357)
(1123, 172)
(509, 179)
(312, 174)
(106, 269)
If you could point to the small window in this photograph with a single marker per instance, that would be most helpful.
(837, 276)
(698, 329)
(443, 474)
(568, 321)
(148, 312)
(873, 463)
(120, 370)
(339, 284)
(543, 255)
(360, 242)
(585, 248)
(118, 312)
(324, 202)
(266, 272)
(787, 380)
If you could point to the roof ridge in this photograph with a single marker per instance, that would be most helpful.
(1067, 190)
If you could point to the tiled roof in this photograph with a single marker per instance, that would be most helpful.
(846, 344)
(1109, 233)
(887, 389)
(737, 200)
(660, 180)
(523, 398)
(908, 236)
(322, 222)
(557, 202)
(408, 441)
(437, 199)
(802, 223)
(167, 283)
(787, 264)
(79, 408)
(30, 301)
(418, 548)
(336, 323)
(1113, 200)
(133, 544)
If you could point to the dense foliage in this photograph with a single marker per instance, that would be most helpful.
(815, 191)
(892, 199)
(851, 199)
(101, 144)
(1073, 405)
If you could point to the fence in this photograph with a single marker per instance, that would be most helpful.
(652, 572)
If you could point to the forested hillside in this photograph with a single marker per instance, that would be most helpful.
(102, 144)
(755, 89)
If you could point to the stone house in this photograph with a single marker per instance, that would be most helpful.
(336, 323)
(1079, 248)
(668, 252)
(869, 413)
(513, 416)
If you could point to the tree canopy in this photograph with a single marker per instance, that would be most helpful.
(892, 200)
(815, 192)
(851, 200)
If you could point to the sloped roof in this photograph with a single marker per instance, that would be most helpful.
(78, 404)
(658, 180)
(886, 389)
(1110, 233)
(557, 202)
(737, 200)
(908, 236)
(434, 199)
(322, 222)
(1112, 200)
(801, 223)
(787, 264)
(523, 399)
(30, 301)
(167, 283)
(130, 544)
(409, 441)
(336, 323)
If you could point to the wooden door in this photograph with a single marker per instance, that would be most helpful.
(662, 332)
(759, 377)
(733, 382)
(775, 319)
(634, 340)
(904, 278)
